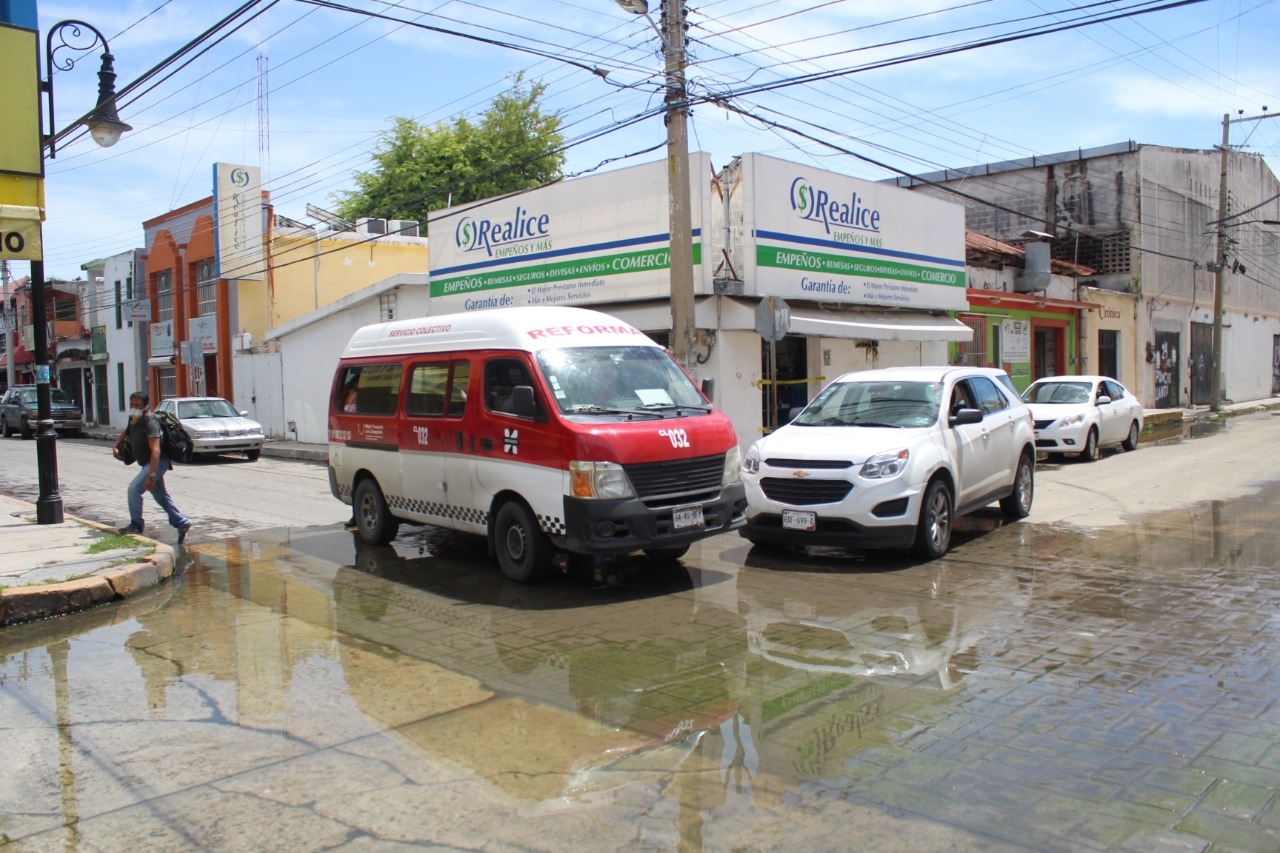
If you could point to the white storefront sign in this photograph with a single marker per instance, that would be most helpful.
(580, 242)
(204, 332)
(826, 237)
(162, 339)
(237, 200)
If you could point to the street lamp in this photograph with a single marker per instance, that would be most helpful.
(105, 127)
(683, 328)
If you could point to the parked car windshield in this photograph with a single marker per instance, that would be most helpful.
(206, 409)
(1059, 392)
(28, 396)
(601, 379)
(887, 404)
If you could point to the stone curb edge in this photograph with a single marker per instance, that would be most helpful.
(31, 603)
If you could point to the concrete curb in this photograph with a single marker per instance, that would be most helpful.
(30, 603)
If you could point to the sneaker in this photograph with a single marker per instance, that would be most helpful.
(132, 528)
(182, 532)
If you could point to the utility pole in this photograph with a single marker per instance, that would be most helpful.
(1220, 261)
(683, 328)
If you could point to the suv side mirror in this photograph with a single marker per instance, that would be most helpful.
(965, 416)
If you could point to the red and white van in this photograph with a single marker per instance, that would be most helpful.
(544, 429)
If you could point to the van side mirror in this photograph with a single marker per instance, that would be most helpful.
(523, 403)
(709, 389)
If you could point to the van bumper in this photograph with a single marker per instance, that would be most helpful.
(623, 526)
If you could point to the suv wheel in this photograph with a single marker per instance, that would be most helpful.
(1018, 503)
(933, 531)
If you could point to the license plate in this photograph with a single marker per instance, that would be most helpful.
(793, 519)
(687, 516)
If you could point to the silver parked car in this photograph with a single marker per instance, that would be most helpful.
(215, 426)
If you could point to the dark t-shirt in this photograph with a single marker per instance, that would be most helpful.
(139, 430)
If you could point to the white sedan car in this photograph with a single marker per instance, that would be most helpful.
(1080, 414)
(215, 426)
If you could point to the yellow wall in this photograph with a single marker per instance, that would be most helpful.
(310, 272)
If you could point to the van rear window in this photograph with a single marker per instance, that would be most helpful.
(369, 389)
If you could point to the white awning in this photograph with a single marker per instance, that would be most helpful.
(861, 323)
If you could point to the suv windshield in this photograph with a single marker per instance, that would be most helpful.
(885, 404)
(617, 379)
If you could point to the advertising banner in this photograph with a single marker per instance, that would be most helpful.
(162, 339)
(580, 242)
(827, 237)
(237, 200)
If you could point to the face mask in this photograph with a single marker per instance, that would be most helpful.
(134, 414)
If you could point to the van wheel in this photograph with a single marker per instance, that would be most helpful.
(1018, 503)
(374, 521)
(524, 552)
(933, 531)
(665, 555)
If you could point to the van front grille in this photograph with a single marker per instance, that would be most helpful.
(677, 480)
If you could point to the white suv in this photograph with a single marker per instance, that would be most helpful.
(889, 458)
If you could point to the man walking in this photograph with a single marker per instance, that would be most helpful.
(144, 433)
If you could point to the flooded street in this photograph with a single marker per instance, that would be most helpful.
(1040, 688)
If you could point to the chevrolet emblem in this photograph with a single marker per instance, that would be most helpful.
(801, 473)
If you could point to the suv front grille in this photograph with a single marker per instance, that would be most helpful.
(788, 490)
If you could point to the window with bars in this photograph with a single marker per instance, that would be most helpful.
(163, 286)
(387, 306)
(1106, 253)
(973, 352)
(1109, 353)
(167, 383)
(206, 288)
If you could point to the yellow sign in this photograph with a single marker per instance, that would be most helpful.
(20, 233)
(20, 102)
(22, 190)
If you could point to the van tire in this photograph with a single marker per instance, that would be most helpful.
(523, 550)
(374, 522)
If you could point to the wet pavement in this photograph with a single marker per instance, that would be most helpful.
(1040, 688)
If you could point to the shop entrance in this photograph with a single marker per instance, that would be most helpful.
(1050, 356)
(792, 381)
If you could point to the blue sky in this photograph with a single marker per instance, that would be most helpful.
(334, 79)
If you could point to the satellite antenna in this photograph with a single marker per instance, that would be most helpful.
(333, 220)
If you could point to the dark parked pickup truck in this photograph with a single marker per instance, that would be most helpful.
(18, 412)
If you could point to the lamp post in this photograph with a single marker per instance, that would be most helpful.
(680, 227)
(105, 127)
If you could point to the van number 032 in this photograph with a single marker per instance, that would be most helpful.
(678, 437)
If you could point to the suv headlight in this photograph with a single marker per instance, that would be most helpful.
(882, 466)
(732, 466)
(751, 463)
(601, 480)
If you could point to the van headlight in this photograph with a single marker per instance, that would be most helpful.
(882, 466)
(732, 466)
(600, 480)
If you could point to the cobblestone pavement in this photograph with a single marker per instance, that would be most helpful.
(1040, 688)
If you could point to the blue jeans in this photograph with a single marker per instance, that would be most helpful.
(160, 493)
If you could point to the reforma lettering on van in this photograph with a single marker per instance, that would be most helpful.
(564, 331)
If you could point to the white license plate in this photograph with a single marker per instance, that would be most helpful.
(793, 519)
(687, 516)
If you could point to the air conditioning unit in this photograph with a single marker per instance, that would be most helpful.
(403, 227)
(371, 226)
(242, 342)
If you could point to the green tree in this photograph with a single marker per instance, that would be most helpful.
(513, 146)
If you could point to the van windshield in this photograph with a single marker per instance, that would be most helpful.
(605, 380)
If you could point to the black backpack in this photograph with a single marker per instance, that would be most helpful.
(174, 441)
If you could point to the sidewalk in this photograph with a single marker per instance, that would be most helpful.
(48, 570)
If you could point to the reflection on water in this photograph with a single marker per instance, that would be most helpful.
(1035, 689)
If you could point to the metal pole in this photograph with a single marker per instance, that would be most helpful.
(1215, 378)
(49, 502)
(683, 328)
